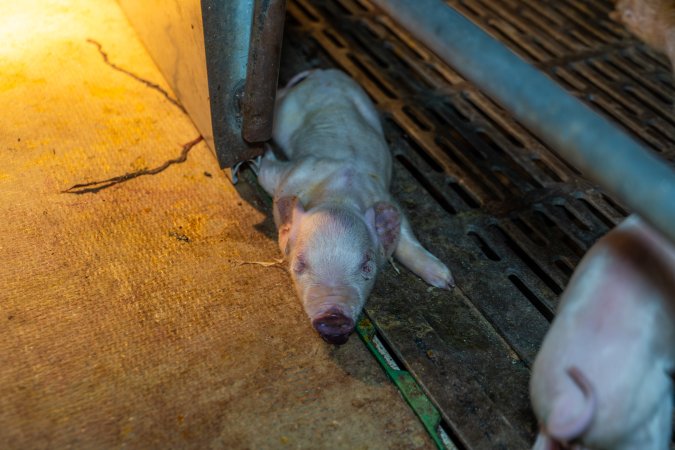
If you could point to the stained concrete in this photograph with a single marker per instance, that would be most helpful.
(131, 317)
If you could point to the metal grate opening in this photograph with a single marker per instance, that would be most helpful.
(509, 216)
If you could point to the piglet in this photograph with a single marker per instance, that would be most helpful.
(653, 21)
(337, 222)
(602, 379)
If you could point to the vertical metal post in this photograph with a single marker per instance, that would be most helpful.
(227, 31)
(263, 69)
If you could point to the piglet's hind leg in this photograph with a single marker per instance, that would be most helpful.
(418, 259)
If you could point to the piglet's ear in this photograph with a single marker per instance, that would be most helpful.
(384, 221)
(288, 211)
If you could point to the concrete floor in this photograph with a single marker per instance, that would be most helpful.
(130, 318)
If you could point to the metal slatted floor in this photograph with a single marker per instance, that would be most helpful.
(510, 218)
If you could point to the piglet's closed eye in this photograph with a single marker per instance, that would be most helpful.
(368, 267)
(300, 264)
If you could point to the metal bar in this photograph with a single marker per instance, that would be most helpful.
(227, 31)
(605, 153)
(263, 69)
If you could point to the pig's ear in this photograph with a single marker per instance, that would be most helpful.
(288, 212)
(384, 221)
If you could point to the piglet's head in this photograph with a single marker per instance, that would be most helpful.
(334, 255)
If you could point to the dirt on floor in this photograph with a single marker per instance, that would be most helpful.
(130, 313)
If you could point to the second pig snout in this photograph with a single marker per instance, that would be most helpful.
(333, 326)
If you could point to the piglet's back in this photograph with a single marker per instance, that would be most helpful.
(328, 115)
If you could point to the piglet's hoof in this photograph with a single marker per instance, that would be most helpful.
(334, 327)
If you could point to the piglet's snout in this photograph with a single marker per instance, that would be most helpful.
(333, 326)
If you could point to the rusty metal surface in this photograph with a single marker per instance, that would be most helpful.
(510, 218)
(262, 70)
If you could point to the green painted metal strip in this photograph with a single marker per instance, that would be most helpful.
(407, 385)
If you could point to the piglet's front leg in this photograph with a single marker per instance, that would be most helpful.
(420, 261)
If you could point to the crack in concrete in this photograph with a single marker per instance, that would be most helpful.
(94, 187)
(150, 84)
